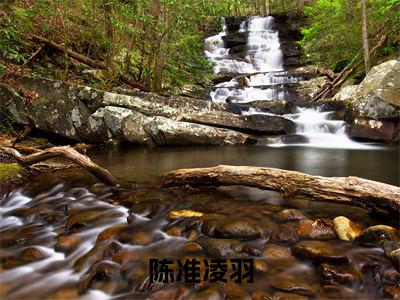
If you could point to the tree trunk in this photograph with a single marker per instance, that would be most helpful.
(344, 190)
(65, 152)
(107, 6)
(159, 65)
(365, 35)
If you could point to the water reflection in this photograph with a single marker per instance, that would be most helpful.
(146, 164)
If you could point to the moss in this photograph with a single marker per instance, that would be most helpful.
(9, 170)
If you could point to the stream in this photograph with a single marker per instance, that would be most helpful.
(64, 236)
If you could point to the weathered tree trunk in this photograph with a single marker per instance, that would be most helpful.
(65, 152)
(345, 190)
(365, 35)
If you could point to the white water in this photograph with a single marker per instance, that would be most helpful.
(321, 131)
(30, 275)
(264, 55)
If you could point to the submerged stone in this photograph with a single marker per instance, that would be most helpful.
(318, 252)
(285, 233)
(237, 228)
(221, 247)
(316, 229)
(277, 252)
(173, 215)
(293, 284)
(346, 229)
(334, 274)
(376, 235)
(289, 215)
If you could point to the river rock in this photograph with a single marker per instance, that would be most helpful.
(81, 219)
(392, 292)
(234, 291)
(318, 252)
(141, 238)
(260, 266)
(289, 215)
(391, 275)
(394, 257)
(277, 252)
(376, 235)
(334, 274)
(267, 124)
(67, 243)
(184, 213)
(220, 247)
(285, 233)
(127, 256)
(286, 296)
(191, 247)
(174, 231)
(375, 130)
(294, 139)
(292, 284)
(96, 254)
(279, 107)
(316, 229)
(26, 256)
(392, 251)
(104, 276)
(237, 228)
(346, 229)
(31, 254)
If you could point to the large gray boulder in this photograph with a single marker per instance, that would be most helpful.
(84, 114)
(307, 90)
(374, 105)
(168, 132)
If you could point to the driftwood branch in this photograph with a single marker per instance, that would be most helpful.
(87, 61)
(344, 190)
(64, 152)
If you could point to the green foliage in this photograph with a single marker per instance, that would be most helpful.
(333, 36)
(11, 45)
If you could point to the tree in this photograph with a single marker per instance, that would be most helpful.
(333, 34)
(365, 35)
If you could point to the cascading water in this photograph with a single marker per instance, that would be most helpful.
(263, 58)
(56, 270)
(258, 74)
(321, 131)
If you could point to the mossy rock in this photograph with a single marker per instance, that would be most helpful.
(9, 171)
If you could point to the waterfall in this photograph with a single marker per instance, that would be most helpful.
(258, 74)
(263, 54)
(263, 45)
(321, 130)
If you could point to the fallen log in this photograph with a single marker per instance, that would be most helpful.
(344, 190)
(64, 152)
